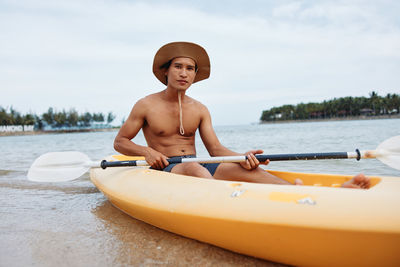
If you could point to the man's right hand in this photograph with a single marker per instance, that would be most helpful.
(156, 159)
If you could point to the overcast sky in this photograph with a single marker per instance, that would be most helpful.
(97, 56)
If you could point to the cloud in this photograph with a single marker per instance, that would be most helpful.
(97, 55)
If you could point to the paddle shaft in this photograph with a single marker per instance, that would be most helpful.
(274, 157)
(69, 165)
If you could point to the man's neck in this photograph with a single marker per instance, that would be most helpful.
(171, 94)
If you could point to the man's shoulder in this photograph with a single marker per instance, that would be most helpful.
(200, 107)
(195, 102)
(149, 99)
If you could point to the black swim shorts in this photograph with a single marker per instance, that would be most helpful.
(211, 167)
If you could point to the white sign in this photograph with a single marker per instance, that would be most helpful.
(16, 128)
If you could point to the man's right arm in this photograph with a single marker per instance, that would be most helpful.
(129, 130)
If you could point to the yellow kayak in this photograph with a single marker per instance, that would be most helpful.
(313, 225)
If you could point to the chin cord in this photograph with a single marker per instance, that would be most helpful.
(181, 129)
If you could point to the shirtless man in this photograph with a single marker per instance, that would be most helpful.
(169, 120)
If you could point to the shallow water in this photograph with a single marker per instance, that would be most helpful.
(72, 223)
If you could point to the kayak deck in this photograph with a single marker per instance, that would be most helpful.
(298, 225)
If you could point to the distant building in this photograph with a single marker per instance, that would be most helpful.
(80, 126)
(366, 112)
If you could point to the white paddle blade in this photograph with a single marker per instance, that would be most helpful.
(389, 152)
(59, 166)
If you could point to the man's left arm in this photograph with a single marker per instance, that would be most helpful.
(214, 146)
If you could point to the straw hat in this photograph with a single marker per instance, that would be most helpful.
(181, 49)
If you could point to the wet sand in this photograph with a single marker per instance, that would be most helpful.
(73, 224)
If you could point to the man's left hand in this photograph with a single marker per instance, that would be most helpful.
(252, 162)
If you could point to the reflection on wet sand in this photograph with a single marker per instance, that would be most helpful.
(145, 245)
(67, 189)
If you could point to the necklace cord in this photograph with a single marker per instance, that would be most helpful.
(181, 129)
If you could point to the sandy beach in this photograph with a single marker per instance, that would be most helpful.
(75, 225)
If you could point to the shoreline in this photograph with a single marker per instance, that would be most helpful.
(40, 132)
(349, 118)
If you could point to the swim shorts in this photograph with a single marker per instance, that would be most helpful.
(211, 167)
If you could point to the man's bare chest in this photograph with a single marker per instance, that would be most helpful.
(166, 122)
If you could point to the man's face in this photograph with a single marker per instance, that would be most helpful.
(181, 73)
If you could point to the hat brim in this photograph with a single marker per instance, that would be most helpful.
(181, 49)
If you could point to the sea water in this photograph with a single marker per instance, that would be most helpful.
(73, 224)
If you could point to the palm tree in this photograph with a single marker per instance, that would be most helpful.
(72, 117)
(344, 106)
(110, 117)
(60, 118)
(49, 116)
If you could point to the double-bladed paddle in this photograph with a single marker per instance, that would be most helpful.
(70, 165)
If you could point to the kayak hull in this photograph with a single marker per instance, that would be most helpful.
(310, 225)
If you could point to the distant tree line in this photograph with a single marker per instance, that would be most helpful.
(53, 118)
(336, 108)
